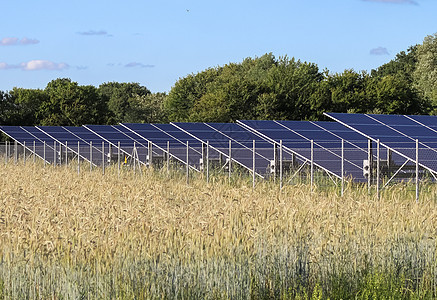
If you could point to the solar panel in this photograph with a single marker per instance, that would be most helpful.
(218, 135)
(69, 145)
(296, 137)
(29, 136)
(397, 133)
(115, 136)
(165, 136)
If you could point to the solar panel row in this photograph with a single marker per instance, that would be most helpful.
(398, 133)
(338, 148)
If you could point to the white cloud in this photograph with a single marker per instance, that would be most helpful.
(42, 65)
(137, 64)
(6, 66)
(14, 41)
(379, 51)
(8, 41)
(27, 41)
(35, 65)
(95, 32)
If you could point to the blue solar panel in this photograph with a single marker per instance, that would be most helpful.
(296, 137)
(397, 132)
(44, 144)
(163, 135)
(20, 135)
(218, 135)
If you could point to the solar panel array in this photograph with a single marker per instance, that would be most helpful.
(326, 139)
(339, 148)
(399, 134)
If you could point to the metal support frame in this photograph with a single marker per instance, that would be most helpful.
(150, 148)
(280, 165)
(15, 152)
(396, 173)
(134, 153)
(369, 159)
(24, 153)
(91, 156)
(312, 165)
(377, 167)
(44, 153)
(253, 164)
(168, 157)
(66, 153)
(417, 170)
(118, 159)
(54, 154)
(275, 161)
(230, 161)
(342, 167)
(207, 162)
(188, 164)
(103, 158)
(6, 152)
(78, 157)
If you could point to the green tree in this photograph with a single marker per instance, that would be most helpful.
(348, 92)
(186, 93)
(290, 87)
(121, 99)
(425, 74)
(147, 109)
(258, 88)
(402, 65)
(5, 108)
(71, 104)
(27, 104)
(394, 94)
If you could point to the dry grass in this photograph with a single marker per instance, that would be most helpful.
(65, 235)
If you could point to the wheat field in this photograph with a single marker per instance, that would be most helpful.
(65, 235)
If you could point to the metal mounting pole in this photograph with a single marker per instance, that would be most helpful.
(168, 157)
(280, 165)
(15, 152)
(66, 153)
(207, 161)
(91, 156)
(134, 152)
(7, 153)
(417, 171)
(24, 152)
(44, 153)
(34, 154)
(54, 154)
(369, 159)
(377, 167)
(103, 158)
(312, 165)
(118, 160)
(78, 157)
(230, 160)
(188, 165)
(253, 165)
(342, 167)
(275, 161)
(149, 148)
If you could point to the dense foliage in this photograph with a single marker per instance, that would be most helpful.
(263, 87)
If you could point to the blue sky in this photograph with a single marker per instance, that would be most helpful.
(155, 43)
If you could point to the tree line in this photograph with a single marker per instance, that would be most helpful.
(263, 87)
